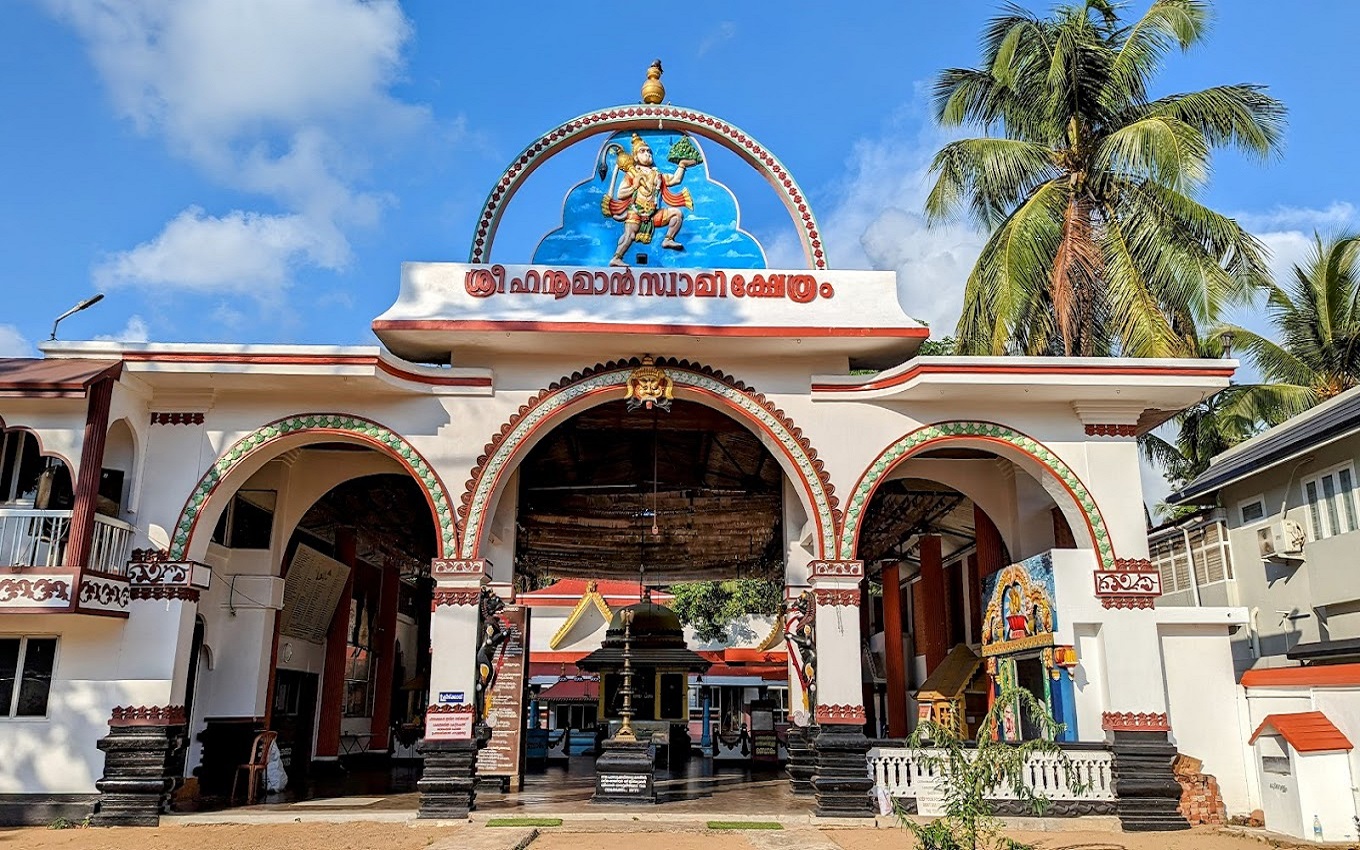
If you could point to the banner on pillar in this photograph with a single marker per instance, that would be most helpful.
(503, 755)
(1020, 607)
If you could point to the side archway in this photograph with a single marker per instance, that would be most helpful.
(649, 116)
(1006, 441)
(354, 428)
(604, 382)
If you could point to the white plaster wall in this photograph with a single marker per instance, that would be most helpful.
(1326, 792)
(96, 670)
(1342, 707)
(1090, 684)
(1202, 704)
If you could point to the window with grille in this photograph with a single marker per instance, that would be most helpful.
(1253, 510)
(26, 665)
(1330, 498)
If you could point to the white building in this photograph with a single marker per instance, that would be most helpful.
(202, 541)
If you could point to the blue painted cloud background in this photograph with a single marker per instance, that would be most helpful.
(711, 233)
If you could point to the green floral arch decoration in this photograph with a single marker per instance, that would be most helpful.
(745, 404)
(356, 427)
(919, 439)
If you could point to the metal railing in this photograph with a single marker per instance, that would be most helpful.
(34, 538)
(1080, 774)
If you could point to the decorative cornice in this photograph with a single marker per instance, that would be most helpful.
(633, 117)
(148, 715)
(840, 714)
(457, 596)
(987, 432)
(143, 593)
(837, 598)
(1135, 583)
(458, 567)
(751, 405)
(35, 589)
(103, 593)
(1107, 430)
(176, 418)
(836, 569)
(364, 430)
(1133, 721)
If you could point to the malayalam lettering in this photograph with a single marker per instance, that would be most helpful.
(489, 281)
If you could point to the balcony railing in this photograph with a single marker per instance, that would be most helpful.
(1081, 774)
(34, 538)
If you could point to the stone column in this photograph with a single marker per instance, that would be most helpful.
(144, 750)
(932, 628)
(337, 645)
(895, 660)
(81, 533)
(453, 731)
(143, 758)
(387, 658)
(841, 782)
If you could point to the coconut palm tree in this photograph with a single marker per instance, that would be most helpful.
(1315, 350)
(1097, 244)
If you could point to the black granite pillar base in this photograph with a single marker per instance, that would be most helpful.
(141, 765)
(842, 782)
(625, 773)
(1148, 795)
(448, 781)
(802, 763)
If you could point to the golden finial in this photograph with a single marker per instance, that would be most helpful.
(652, 90)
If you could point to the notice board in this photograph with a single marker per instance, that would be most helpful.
(504, 755)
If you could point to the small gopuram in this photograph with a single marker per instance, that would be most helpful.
(327, 542)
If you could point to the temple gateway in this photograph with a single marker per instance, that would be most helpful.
(393, 557)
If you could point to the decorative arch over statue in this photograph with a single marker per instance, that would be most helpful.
(649, 116)
(925, 437)
(354, 428)
(612, 381)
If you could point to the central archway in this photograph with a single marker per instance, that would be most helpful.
(604, 382)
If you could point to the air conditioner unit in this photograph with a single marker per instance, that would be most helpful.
(1282, 539)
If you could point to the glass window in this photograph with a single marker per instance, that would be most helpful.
(1331, 502)
(26, 666)
(1253, 511)
(248, 521)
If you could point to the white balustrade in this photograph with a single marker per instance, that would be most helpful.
(1078, 774)
(34, 538)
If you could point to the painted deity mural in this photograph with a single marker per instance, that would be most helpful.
(651, 198)
(1020, 611)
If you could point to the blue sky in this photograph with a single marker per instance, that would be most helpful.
(255, 170)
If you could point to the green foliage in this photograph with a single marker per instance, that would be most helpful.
(684, 149)
(711, 607)
(744, 824)
(943, 347)
(973, 771)
(524, 822)
(1097, 243)
(1314, 352)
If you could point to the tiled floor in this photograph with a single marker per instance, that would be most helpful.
(699, 787)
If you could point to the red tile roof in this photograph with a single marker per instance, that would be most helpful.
(1306, 731)
(1318, 674)
(24, 377)
(572, 690)
(566, 592)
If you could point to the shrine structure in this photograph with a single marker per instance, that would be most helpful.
(202, 542)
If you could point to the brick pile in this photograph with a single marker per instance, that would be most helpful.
(1201, 801)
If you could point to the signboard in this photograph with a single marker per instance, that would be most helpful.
(504, 755)
(311, 591)
(451, 697)
(1020, 609)
(448, 725)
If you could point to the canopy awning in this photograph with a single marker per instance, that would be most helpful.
(34, 377)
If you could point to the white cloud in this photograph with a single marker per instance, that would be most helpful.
(13, 343)
(246, 253)
(724, 31)
(276, 99)
(1337, 215)
(134, 331)
(874, 221)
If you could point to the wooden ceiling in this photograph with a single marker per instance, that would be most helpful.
(388, 512)
(906, 507)
(591, 490)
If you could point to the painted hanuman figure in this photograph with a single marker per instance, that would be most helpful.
(645, 200)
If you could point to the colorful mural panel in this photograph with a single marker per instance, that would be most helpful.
(1020, 611)
(651, 198)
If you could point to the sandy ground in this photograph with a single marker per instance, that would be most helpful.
(287, 836)
(400, 836)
